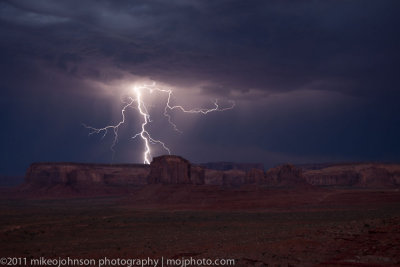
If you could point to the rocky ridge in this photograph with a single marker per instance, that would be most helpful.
(179, 171)
(364, 175)
(49, 174)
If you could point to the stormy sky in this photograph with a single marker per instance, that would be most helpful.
(313, 81)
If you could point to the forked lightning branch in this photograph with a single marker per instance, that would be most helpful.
(138, 103)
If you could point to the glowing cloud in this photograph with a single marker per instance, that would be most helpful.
(137, 102)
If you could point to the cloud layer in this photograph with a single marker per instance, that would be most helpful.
(314, 80)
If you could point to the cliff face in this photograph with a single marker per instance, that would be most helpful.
(234, 177)
(226, 166)
(332, 178)
(177, 170)
(174, 170)
(375, 176)
(197, 175)
(76, 174)
(256, 176)
(285, 175)
(162, 170)
(367, 175)
(213, 177)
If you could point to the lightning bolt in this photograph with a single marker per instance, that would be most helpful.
(114, 128)
(203, 111)
(141, 107)
(144, 134)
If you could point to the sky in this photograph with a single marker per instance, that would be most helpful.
(312, 81)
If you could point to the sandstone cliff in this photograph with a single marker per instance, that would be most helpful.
(78, 174)
(177, 170)
(234, 177)
(213, 177)
(226, 166)
(369, 175)
(162, 170)
(174, 170)
(197, 175)
(255, 176)
(286, 175)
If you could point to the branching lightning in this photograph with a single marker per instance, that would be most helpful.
(113, 127)
(137, 102)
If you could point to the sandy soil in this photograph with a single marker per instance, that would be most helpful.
(255, 226)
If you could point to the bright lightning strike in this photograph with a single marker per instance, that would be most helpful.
(141, 107)
(114, 128)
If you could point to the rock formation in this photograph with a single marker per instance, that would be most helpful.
(285, 175)
(177, 170)
(226, 166)
(332, 178)
(375, 176)
(197, 175)
(368, 175)
(234, 177)
(174, 170)
(213, 177)
(78, 174)
(255, 176)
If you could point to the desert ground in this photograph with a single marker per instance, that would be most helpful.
(255, 226)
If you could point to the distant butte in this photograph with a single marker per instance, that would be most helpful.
(176, 170)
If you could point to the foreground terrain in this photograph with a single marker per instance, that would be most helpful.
(255, 226)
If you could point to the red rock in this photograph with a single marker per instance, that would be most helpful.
(197, 175)
(174, 170)
(375, 177)
(255, 176)
(226, 166)
(332, 178)
(234, 177)
(85, 175)
(368, 175)
(214, 177)
(286, 175)
(177, 170)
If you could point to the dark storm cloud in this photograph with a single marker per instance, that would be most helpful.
(246, 50)
(271, 46)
